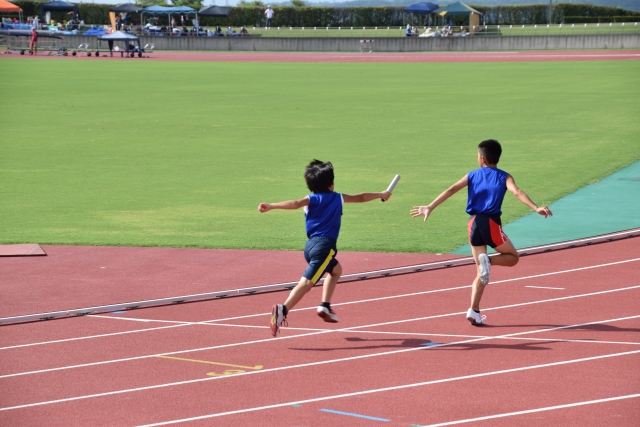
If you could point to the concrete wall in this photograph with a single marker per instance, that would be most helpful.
(386, 44)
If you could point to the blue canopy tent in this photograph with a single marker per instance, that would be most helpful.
(164, 10)
(422, 8)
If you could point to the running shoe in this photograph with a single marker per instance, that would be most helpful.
(475, 318)
(485, 268)
(277, 318)
(327, 314)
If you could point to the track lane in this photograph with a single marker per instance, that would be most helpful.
(336, 344)
(339, 346)
(438, 305)
(378, 57)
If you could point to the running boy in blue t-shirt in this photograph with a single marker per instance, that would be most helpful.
(486, 189)
(323, 212)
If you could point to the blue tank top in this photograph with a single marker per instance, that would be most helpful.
(486, 188)
(324, 215)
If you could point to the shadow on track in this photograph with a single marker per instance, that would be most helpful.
(381, 343)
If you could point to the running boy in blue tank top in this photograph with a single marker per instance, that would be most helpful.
(323, 212)
(486, 189)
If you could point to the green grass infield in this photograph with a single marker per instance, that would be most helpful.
(128, 152)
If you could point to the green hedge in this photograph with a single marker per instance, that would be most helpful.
(539, 13)
(626, 19)
(318, 16)
(581, 19)
(523, 15)
(562, 10)
(91, 13)
(368, 16)
(599, 19)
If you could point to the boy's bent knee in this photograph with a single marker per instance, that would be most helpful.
(337, 270)
(305, 284)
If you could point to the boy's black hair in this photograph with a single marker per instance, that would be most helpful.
(319, 176)
(490, 149)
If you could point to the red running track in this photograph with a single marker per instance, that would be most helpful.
(60, 280)
(561, 347)
(238, 56)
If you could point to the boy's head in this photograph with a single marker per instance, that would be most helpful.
(491, 150)
(319, 176)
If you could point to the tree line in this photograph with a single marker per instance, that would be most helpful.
(382, 16)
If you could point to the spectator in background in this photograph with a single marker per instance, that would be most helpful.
(33, 45)
(36, 22)
(408, 31)
(118, 23)
(72, 24)
(183, 20)
(269, 14)
(244, 32)
(173, 22)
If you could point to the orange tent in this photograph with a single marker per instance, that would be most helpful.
(7, 7)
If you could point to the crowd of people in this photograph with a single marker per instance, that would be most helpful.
(128, 24)
(446, 31)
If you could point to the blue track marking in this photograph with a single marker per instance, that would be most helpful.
(430, 344)
(118, 312)
(355, 415)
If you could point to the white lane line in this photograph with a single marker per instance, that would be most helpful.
(319, 363)
(545, 287)
(93, 336)
(313, 333)
(549, 340)
(496, 308)
(531, 411)
(400, 387)
(426, 292)
(303, 309)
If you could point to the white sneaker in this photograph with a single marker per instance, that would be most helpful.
(475, 318)
(327, 314)
(277, 318)
(484, 263)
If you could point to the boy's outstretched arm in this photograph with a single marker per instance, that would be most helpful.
(426, 210)
(365, 197)
(289, 204)
(522, 196)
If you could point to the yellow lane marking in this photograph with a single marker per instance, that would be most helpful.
(255, 368)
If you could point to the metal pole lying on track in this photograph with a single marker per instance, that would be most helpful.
(289, 285)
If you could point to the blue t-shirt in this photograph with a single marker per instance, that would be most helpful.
(324, 215)
(486, 188)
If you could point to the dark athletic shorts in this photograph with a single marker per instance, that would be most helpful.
(486, 230)
(320, 253)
